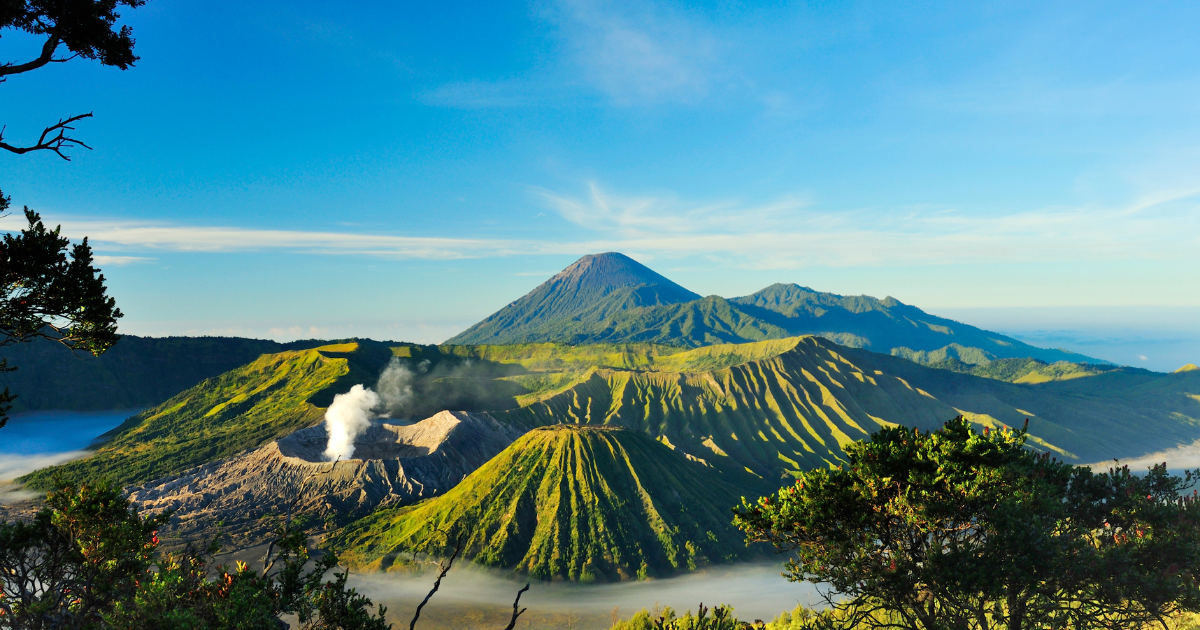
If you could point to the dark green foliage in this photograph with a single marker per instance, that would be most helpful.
(581, 305)
(84, 27)
(564, 502)
(721, 618)
(138, 372)
(52, 296)
(86, 550)
(958, 529)
(88, 560)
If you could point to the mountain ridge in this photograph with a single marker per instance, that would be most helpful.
(576, 307)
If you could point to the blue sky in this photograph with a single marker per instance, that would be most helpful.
(400, 170)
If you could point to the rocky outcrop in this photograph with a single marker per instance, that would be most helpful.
(393, 465)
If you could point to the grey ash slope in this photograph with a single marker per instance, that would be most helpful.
(609, 298)
(392, 465)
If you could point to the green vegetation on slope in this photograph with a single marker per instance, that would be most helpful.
(241, 409)
(1119, 413)
(964, 360)
(136, 372)
(565, 502)
(581, 305)
(767, 407)
(772, 407)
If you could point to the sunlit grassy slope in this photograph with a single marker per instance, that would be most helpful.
(767, 408)
(566, 502)
(240, 409)
(788, 404)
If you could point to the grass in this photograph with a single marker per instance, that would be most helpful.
(241, 409)
(572, 503)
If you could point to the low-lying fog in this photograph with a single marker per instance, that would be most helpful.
(1178, 459)
(36, 439)
(471, 597)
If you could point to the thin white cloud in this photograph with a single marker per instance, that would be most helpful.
(121, 261)
(788, 233)
(639, 52)
(144, 236)
(791, 233)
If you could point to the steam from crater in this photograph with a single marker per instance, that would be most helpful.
(395, 387)
(349, 415)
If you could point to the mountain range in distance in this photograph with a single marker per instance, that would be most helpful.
(612, 298)
(635, 405)
(603, 298)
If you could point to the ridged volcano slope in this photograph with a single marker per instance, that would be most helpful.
(566, 502)
(792, 404)
(768, 407)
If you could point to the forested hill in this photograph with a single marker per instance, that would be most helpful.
(137, 372)
(610, 298)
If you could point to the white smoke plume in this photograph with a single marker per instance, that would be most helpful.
(395, 387)
(349, 415)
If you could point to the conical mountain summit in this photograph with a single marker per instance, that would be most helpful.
(593, 288)
(610, 298)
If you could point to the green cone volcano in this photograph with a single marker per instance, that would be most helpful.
(567, 502)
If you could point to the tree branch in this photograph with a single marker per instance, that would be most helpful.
(54, 138)
(46, 57)
(458, 545)
(516, 613)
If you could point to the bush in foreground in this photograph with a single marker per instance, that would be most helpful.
(961, 530)
(88, 560)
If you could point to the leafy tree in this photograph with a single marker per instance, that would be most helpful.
(721, 619)
(88, 560)
(51, 290)
(955, 529)
(87, 29)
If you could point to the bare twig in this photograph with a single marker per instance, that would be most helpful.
(54, 138)
(516, 613)
(458, 545)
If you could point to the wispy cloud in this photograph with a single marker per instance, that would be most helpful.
(787, 233)
(639, 52)
(632, 54)
(145, 236)
(792, 233)
(121, 261)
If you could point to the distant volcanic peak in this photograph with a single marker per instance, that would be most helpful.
(612, 270)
